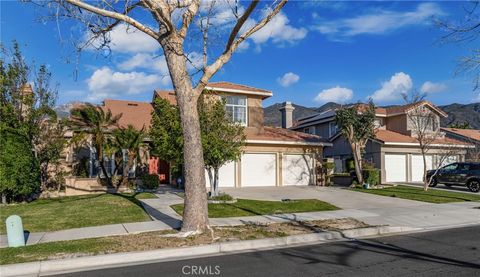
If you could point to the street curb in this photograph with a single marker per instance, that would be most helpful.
(52, 267)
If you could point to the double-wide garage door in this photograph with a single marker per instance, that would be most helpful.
(396, 167)
(261, 169)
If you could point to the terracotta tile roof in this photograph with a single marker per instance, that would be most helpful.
(134, 113)
(405, 108)
(280, 134)
(468, 133)
(168, 95)
(228, 85)
(391, 136)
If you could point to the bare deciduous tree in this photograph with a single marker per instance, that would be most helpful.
(442, 157)
(467, 31)
(169, 22)
(425, 127)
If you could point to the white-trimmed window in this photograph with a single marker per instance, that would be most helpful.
(236, 107)
(332, 128)
(309, 130)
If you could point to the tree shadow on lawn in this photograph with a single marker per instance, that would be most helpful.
(131, 198)
(421, 193)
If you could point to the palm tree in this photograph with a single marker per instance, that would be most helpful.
(96, 122)
(131, 140)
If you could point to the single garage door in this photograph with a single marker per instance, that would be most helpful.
(417, 166)
(297, 170)
(258, 170)
(395, 167)
(226, 176)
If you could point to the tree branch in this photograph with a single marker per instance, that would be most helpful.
(114, 15)
(239, 24)
(188, 16)
(225, 57)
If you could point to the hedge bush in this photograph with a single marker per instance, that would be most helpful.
(371, 176)
(149, 181)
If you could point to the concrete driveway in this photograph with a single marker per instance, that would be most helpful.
(340, 197)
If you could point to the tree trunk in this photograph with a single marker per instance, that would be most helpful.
(195, 214)
(358, 162)
(4, 198)
(102, 162)
(215, 182)
(425, 181)
(126, 170)
(210, 177)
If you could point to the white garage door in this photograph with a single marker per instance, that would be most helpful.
(297, 170)
(395, 167)
(226, 176)
(258, 170)
(417, 167)
(447, 160)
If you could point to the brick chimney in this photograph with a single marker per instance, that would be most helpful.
(287, 114)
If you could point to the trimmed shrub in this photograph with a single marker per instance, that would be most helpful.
(149, 181)
(350, 164)
(371, 176)
(222, 197)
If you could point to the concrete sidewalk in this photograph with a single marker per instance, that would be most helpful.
(369, 208)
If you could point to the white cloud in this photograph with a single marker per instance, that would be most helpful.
(146, 61)
(336, 94)
(288, 79)
(129, 40)
(380, 22)
(278, 30)
(393, 89)
(106, 83)
(430, 87)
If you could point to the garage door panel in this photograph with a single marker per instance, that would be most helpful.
(395, 167)
(417, 166)
(297, 170)
(258, 169)
(226, 176)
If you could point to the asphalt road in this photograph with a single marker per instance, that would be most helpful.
(453, 252)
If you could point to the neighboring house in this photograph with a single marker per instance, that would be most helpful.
(271, 156)
(468, 135)
(394, 150)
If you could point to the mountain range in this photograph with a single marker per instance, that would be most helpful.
(457, 113)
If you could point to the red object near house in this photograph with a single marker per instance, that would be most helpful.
(159, 167)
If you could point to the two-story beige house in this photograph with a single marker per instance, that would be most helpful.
(395, 149)
(271, 156)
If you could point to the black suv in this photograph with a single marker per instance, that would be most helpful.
(457, 174)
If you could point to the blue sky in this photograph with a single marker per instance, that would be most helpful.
(312, 53)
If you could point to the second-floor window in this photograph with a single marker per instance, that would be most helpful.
(424, 123)
(309, 130)
(332, 129)
(237, 108)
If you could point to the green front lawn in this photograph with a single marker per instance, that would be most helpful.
(77, 211)
(245, 207)
(418, 194)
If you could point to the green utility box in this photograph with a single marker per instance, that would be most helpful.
(15, 234)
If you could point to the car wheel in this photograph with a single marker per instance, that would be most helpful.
(474, 185)
(434, 182)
